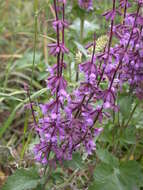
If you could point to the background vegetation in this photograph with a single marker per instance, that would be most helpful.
(25, 31)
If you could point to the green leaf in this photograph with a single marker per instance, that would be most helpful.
(128, 136)
(26, 61)
(75, 163)
(125, 103)
(22, 180)
(106, 178)
(128, 176)
(106, 136)
(131, 173)
(57, 177)
(107, 157)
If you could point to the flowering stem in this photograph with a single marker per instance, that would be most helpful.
(120, 62)
(109, 43)
(96, 118)
(94, 46)
(109, 46)
(131, 115)
(35, 39)
(125, 12)
(81, 29)
(81, 40)
(58, 39)
(31, 107)
(63, 39)
(64, 110)
(92, 59)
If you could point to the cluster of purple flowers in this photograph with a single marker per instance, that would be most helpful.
(68, 121)
(130, 36)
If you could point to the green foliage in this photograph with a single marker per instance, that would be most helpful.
(113, 174)
(11, 117)
(75, 163)
(81, 48)
(125, 103)
(118, 161)
(22, 179)
(106, 157)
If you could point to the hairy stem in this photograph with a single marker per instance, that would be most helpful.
(35, 39)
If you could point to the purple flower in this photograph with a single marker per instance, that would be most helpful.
(90, 146)
(43, 108)
(110, 15)
(124, 3)
(68, 120)
(86, 4)
(140, 2)
(60, 24)
(55, 82)
(56, 48)
(62, 1)
(97, 131)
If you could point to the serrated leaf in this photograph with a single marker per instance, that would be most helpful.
(106, 178)
(22, 180)
(131, 173)
(128, 176)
